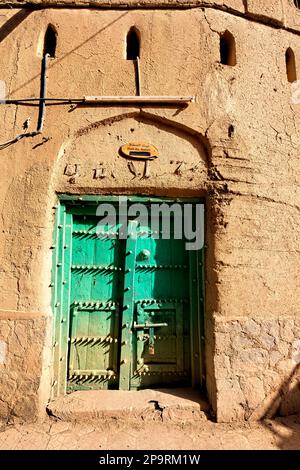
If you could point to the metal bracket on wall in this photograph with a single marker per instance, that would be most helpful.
(173, 100)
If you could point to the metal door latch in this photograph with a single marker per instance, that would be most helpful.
(147, 325)
(150, 327)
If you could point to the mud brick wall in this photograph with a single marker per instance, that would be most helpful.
(239, 144)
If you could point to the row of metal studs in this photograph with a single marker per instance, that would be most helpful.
(143, 302)
(139, 266)
(95, 304)
(102, 233)
(95, 267)
(160, 373)
(95, 339)
(91, 377)
(161, 301)
(161, 266)
(146, 337)
(83, 232)
(98, 234)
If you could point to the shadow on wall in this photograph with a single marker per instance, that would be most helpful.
(13, 23)
(59, 60)
(286, 402)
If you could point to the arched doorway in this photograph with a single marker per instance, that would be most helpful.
(130, 311)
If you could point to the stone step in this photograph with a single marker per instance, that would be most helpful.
(180, 405)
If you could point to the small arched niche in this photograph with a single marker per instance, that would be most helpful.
(227, 49)
(231, 131)
(133, 44)
(50, 41)
(290, 65)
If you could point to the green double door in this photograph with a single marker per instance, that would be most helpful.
(131, 307)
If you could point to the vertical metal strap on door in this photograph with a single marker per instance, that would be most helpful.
(197, 288)
(65, 301)
(56, 295)
(62, 257)
(128, 307)
(61, 307)
(194, 319)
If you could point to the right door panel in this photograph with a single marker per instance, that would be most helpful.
(161, 326)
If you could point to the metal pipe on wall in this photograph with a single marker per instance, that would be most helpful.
(42, 109)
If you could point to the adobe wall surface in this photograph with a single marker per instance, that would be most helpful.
(248, 173)
(256, 363)
(22, 339)
(281, 13)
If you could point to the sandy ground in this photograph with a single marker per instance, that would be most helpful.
(281, 433)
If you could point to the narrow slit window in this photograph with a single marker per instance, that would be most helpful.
(231, 131)
(50, 41)
(227, 49)
(133, 45)
(290, 65)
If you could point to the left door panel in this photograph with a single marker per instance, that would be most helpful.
(88, 326)
(94, 307)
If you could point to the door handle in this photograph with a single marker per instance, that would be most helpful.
(147, 325)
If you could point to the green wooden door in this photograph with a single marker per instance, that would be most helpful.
(158, 350)
(131, 310)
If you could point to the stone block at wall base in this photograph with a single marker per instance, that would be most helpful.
(257, 368)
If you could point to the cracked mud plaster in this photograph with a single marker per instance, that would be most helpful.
(21, 346)
(274, 12)
(2, 352)
(249, 178)
(257, 368)
(121, 434)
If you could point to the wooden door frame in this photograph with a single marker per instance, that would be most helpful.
(61, 279)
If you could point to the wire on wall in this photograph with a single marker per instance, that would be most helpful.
(42, 108)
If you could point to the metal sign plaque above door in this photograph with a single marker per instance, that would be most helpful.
(139, 151)
(128, 311)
